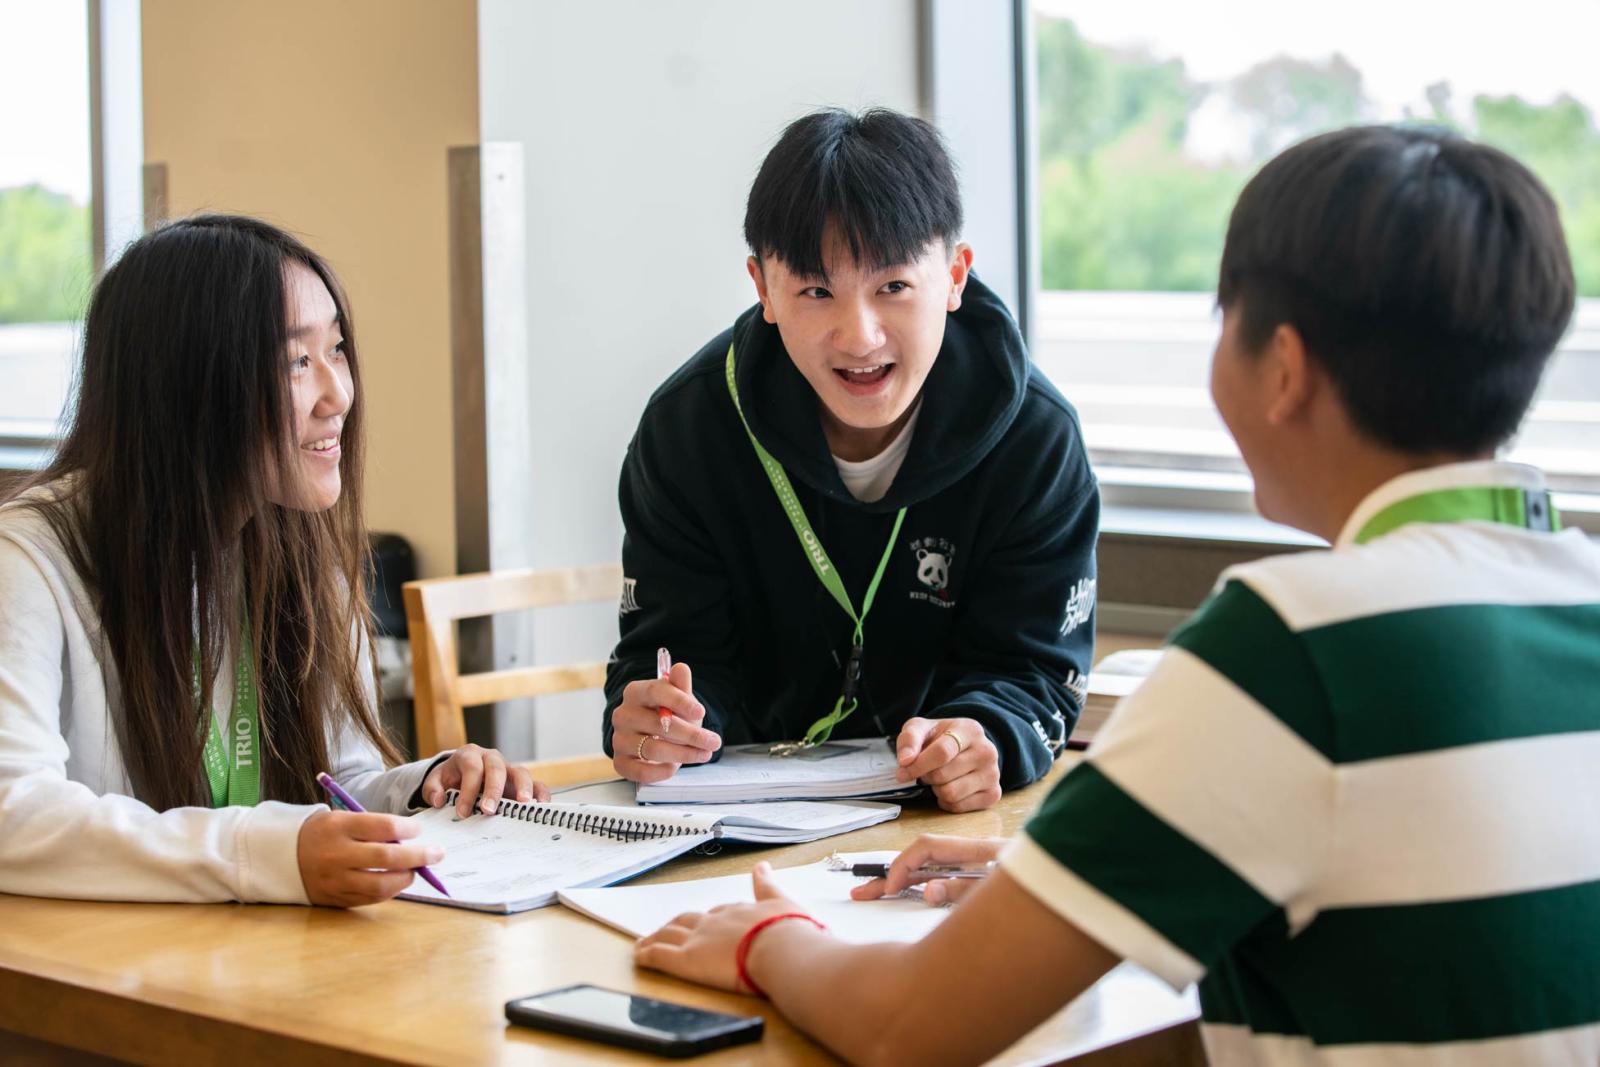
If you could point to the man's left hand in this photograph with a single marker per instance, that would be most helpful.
(953, 756)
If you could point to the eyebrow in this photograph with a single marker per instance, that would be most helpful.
(300, 331)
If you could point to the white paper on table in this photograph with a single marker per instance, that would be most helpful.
(822, 893)
(1127, 1002)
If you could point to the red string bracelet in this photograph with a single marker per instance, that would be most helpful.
(742, 953)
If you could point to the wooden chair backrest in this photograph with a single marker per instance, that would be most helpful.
(435, 605)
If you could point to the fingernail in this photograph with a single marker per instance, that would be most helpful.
(435, 854)
(906, 754)
(524, 796)
(488, 805)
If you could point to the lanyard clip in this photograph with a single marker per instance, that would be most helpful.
(1539, 511)
(852, 673)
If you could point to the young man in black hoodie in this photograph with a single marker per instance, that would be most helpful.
(860, 511)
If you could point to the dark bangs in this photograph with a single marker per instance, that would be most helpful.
(884, 180)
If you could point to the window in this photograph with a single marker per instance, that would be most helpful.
(1150, 118)
(46, 249)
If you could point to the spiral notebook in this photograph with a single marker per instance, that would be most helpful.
(833, 770)
(520, 858)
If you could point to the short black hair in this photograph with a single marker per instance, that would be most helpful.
(1427, 274)
(884, 179)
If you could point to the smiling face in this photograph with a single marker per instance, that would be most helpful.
(864, 338)
(321, 392)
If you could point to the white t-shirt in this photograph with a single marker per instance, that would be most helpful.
(869, 479)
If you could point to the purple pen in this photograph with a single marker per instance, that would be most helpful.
(348, 802)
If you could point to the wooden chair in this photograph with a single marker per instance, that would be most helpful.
(435, 605)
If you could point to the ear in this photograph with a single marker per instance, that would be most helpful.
(922, 554)
(757, 275)
(960, 270)
(1293, 376)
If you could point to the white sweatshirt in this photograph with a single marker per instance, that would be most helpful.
(68, 824)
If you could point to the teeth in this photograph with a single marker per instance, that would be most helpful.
(323, 445)
(866, 370)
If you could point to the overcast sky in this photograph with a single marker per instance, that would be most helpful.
(44, 95)
(1536, 49)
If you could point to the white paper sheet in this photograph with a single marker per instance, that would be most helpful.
(1127, 1002)
(825, 894)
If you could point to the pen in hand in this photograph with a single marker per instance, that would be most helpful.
(348, 802)
(664, 672)
(925, 873)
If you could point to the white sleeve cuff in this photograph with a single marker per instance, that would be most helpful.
(269, 859)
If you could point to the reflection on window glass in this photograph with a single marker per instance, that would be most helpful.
(1151, 117)
(45, 239)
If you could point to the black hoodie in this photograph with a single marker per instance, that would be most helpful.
(985, 610)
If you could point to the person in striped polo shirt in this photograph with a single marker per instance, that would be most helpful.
(1359, 798)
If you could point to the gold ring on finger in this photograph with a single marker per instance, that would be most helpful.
(639, 751)
(961, 746)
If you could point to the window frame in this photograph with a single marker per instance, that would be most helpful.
(1153, 502)
(117, 188)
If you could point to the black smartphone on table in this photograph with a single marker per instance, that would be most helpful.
(631, 1021)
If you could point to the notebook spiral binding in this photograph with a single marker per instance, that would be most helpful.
(588, 822)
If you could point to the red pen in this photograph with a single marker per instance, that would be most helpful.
(664, 672)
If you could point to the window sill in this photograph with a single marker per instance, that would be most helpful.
(1215, 506)
(1192, 524)
(24, 456)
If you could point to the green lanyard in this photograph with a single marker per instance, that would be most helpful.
(1530, 508)
(826, 573)
(233, 747)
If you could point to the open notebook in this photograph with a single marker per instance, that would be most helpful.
(520, 858)
(780, 822)
(834, 770)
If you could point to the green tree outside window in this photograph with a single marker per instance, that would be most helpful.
(1124, 205)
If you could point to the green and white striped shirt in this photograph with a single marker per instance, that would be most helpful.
(1359, 797)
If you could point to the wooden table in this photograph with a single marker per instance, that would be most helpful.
(406, 983)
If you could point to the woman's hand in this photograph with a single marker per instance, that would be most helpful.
(473, 771)
(700, 946)
(352, 858)
(933, 849)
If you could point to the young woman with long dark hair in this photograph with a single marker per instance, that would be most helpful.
(184, 636)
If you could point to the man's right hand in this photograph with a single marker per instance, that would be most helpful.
(642, 750)
(933, 849)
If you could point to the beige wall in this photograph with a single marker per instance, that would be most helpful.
(332, 120)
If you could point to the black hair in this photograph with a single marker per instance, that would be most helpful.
(1427, 275)
(883, 179)
(182, 423)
